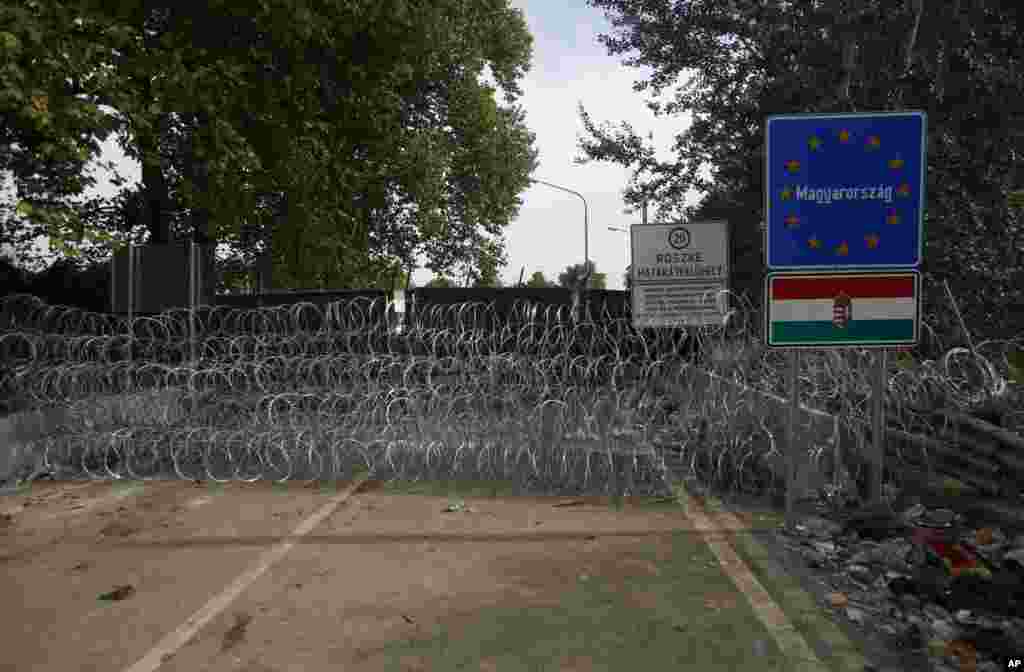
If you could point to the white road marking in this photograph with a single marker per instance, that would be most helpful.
(790, 642)
(173, 642)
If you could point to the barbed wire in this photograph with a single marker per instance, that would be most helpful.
(552, 403)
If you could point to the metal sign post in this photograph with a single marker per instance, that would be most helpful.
(877, 457)
(131, 299)
(193, 298)
(844, 198)
(792, 423)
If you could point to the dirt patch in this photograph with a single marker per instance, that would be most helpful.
(119, 593)
(413, 569)
(718, 602)
(443, 589)
(121, 528)
(60, 560)
(643, 599)
(547, 571)
(45, 515)
(381, 571)
(236, 633)
(383, 514)
(370, 485)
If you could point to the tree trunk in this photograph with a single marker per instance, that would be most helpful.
(156, 211)
(155, 192)
(200, 169)
(265, 265)
(201, 234)
(917, 7)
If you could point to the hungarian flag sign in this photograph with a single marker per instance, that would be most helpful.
(853, 309)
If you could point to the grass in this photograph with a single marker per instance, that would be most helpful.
(480, 488)
(451, 488)
(800, 608)
(597, 625)
(785, 590)
(124, 485)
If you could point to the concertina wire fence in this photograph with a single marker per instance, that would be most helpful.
(548, 403)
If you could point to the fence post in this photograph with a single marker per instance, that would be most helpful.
(131, 299)
(193, 297)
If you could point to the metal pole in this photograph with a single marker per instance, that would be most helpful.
(629, 252)
(193, 292)
(878, 430)
(113, 283)
(586, 220)
(131, 298)
(792, 448)
(629, 244)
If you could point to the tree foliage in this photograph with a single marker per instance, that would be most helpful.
(731, 64)
(538, 281)
(439, 282)
(339, 137)
(576, 275)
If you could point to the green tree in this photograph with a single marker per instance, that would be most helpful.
(731, 64)
(47, 137)
(440, 282)
(538, 281)
(336, 137)
(490, 259)
(575, 276)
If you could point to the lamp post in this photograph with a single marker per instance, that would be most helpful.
(586, 226)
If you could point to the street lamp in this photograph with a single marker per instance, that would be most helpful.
(586, 226)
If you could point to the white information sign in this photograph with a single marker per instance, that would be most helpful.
(678, 271)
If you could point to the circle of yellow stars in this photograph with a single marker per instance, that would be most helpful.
(872, 143)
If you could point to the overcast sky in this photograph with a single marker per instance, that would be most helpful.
(569, 67)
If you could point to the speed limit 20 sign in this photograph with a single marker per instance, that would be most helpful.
(679, 238)
(678, 273)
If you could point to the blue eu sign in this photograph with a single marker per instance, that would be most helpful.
(845, 191)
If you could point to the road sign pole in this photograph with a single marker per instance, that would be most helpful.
(792, 440)
(131, 298)
(877, 460)
(193, 298)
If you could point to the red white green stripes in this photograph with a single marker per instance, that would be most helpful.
(808, 310)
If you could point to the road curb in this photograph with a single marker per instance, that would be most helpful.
(844, 654)
(773, 610)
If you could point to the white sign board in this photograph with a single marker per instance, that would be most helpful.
(678, 271)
